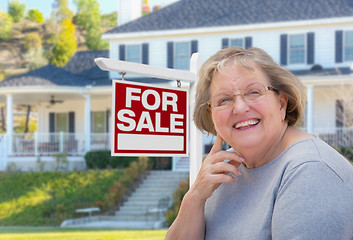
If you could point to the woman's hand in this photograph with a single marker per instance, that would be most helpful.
(215, 170)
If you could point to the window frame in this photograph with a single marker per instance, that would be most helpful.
(104, 127)
(346, 45)
(184, 56)
(133, 59)
(56, 129)
(303, 49)
(237, 39)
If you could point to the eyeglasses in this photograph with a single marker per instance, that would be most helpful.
(252, 94)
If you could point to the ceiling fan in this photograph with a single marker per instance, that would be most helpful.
(52, 101)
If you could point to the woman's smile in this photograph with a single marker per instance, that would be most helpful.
(247, 124)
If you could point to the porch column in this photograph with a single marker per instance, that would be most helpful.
(9, 121)
(87, 123)
(310, 109)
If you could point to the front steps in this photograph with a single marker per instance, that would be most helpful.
(132, 214)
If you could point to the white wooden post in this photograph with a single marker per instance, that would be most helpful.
(195, 134)
(61, 141)
(87, 123)
(310, 109)
(9, 123)
(170, 74)
(36, 144)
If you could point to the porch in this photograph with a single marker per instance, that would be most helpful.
(20, 148)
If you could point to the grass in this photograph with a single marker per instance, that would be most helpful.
(47, 198)
(39, 233)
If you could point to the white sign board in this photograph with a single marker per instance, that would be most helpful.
(149, 120)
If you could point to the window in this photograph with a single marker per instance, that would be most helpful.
(61, 122)
(240, 42)
(296, 49)
(98, 122)
(236, 42)
(182, 55)
(348, 46)
(133, 53)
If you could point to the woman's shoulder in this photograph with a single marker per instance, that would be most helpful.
(313, 155)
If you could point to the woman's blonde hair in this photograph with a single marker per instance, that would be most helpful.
(278, 77)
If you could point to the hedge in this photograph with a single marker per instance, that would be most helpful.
(103, 160)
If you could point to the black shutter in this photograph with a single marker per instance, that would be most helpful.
(283, 49)
(194, 46)
(248, 42)
(145, 53)
(339, 46)
(311, 48)
(51, 122)
(170, 55)
(339, 114)
(71, 122)
(122, 55)
(225, 43)
(107, 113)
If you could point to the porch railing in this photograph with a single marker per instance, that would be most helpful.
(39, 144)
(338, 137)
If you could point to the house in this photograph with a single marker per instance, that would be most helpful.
(313, 39)
(65, 98)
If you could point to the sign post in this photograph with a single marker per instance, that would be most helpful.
(169, 74)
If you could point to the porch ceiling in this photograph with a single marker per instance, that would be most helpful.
(33, 95)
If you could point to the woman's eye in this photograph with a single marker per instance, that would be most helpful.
(224, 101)
(253, 92)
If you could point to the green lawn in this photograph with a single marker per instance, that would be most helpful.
(38, 233)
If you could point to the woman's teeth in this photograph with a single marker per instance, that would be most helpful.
(246, 124)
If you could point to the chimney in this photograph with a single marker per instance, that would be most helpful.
(128, 10)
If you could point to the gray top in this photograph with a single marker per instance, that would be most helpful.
(305, 193)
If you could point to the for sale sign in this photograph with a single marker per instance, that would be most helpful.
(149, 120)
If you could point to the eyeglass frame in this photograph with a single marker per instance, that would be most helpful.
(267, 88)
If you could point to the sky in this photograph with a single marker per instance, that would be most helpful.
(45, 6)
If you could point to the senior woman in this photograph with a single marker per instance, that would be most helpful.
(276, 181)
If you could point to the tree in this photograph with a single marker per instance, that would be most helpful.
(64, 44)
(5, 26)
(16, 10)
(35, 15)
(63, 41)
(88, 18)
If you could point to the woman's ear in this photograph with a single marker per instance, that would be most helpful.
(283, 101)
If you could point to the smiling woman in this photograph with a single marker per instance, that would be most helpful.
(264, 185)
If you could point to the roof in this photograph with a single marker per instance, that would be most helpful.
(82, 63)
(186, 14)
(48, 75)
(80, 71)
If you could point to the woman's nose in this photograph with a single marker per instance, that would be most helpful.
(239, 105)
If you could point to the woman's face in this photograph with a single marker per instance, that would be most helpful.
(247, 125)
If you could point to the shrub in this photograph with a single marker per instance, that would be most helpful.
(16, 10)
(103, 159)
(5, 26)
(347, 152)
(35, 15)
(178, 196)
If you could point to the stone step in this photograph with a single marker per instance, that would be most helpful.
(156, 185)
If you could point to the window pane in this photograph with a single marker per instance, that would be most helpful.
(98, 122)
(297, 49)
(182, 55)
(133, 53)
(61, 122)
(348, 46)
(236, 42)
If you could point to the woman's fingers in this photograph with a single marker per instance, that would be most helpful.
(217, 146)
